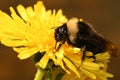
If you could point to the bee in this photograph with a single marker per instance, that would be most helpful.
(81, 34)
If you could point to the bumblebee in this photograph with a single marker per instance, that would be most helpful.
(81, 34)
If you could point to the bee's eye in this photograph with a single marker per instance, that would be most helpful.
(60, 33)
(61, 30)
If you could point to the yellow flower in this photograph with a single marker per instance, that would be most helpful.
(90, 70)
(33, 32)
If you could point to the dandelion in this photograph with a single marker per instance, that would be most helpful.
(32, 35)
(31, 32)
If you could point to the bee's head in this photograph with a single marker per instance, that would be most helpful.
(60, 35)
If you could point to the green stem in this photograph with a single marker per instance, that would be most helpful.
(40, 73)
(49, 76)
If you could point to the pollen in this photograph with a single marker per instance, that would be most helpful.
(81, 20)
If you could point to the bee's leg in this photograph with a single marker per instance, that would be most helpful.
(83, 51)
(93, 56)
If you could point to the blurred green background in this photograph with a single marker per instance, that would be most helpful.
(103, 14)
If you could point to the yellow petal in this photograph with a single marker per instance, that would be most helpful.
(22, 11)
(90, 65)
(102, 75)
(8, 29)
(71, 66)
(4, 17)
(13, 43)
(58, 60)
(91, 75)
(61, 64)
(43, 61)
(30, 11)
(102, 56)
(75, 58)
(26, 52)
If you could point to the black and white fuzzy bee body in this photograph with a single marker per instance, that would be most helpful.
(81, 34)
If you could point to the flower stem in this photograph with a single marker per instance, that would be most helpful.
(40, 73)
